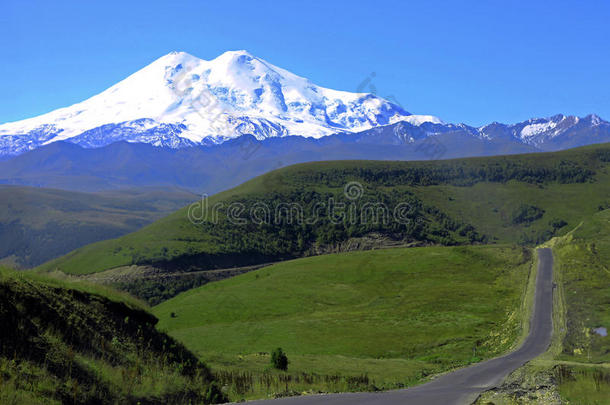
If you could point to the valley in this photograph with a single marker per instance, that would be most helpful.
(39, 224)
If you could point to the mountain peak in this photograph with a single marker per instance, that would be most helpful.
(180, 99)
(178, 53)
(236, 53)
(594, 119)
(175, 57)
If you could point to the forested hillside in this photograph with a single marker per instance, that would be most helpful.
(323, 207)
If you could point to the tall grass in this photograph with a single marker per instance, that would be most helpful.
(241, 385)
(584, 385)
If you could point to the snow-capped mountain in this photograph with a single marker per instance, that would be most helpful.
(181, 100)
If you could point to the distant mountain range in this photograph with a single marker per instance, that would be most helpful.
(181, 101)
(543, 134)
(209, 169)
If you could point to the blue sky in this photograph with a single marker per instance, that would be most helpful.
(464, 61)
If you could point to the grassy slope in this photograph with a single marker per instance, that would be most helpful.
(38, 224)
(584, 258)
(489, 206)
(396, 314)
(483, 202)
(582, 357)
(67, 343)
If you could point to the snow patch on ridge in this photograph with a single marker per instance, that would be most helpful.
(534, 129)
(418, 120)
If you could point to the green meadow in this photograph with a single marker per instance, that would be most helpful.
(387, 317)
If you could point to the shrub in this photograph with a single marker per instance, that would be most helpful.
(214, 395)
(557, 223)
(526, 214)
(279, 359)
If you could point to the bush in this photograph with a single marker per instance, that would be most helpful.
(214, 395)
(526, 214)
(279, 359)
(557, 223)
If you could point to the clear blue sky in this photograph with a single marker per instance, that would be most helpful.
(464, 61)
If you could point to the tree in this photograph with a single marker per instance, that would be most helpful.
(279, 359)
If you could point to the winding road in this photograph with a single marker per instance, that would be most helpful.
(465, 385)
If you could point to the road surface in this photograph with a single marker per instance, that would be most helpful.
(465, 385)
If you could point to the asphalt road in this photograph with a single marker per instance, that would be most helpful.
(465, 385)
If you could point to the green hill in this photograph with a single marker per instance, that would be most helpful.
(289, 213)
(392, 315)
(39, 224)
(62, 343)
